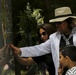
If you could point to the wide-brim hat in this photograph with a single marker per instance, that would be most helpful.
(62, 14)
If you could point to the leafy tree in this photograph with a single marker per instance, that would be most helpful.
(28, 25)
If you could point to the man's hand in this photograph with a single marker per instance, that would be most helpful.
(16, 50)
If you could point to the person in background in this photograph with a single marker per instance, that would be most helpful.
(68, 59)
(44, 62)
(65, 35)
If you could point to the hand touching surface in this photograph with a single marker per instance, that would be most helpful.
(16, 50)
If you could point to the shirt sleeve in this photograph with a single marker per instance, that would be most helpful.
(71, 71)
(36, 50)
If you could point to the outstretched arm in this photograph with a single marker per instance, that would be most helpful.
(33, 51)
(25, 61)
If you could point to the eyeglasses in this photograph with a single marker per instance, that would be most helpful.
(58, 22)
(43, 33)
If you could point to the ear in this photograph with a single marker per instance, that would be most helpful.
(67, 58)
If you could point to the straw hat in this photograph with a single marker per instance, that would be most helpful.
(62, 14)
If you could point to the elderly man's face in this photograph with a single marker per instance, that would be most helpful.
(62, 26)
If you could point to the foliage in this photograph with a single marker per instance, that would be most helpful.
(28, 24)
(36, 14)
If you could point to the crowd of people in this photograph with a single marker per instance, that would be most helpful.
(60, 46)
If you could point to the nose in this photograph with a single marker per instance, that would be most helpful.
(42, 36)
(58, 24)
